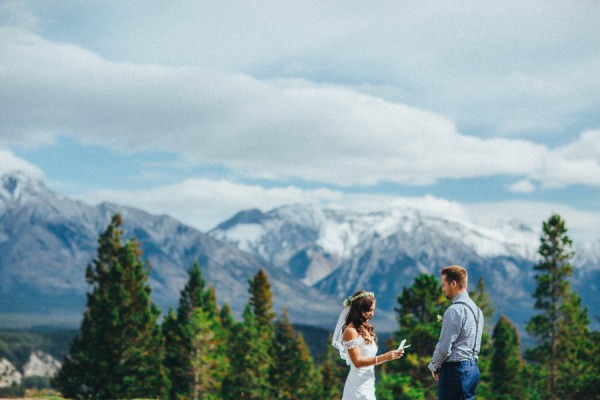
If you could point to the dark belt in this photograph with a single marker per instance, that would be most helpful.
(465, 362)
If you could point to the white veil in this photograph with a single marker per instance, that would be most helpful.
(336, 341)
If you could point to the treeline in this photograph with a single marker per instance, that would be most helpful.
(200, 351)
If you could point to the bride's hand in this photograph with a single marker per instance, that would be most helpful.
(395, 354)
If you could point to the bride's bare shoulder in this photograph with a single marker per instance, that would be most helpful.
(350, 333)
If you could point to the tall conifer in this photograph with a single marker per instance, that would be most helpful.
(552, 290)
(507, 364)
(250, 362)
(207, 357)
(419, 306)
(118, 352)
(483, 300)
(181, 330)
(333, 372)
(578, 370)
(261, 298)
(292, 375)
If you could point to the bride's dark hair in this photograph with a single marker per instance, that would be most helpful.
(356, 316)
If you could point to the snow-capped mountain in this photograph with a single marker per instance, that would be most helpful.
(314, 256)
(46, 242)
(340, 250)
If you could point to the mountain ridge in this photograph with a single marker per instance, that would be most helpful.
(314, 255)
(384, 250)
(47, 241)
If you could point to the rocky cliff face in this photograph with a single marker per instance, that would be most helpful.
(9, 374)
(39, 364)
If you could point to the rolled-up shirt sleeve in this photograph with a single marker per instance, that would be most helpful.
(451, 326)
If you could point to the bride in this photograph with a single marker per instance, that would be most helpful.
(356, 341)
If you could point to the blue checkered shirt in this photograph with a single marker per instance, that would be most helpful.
(458, 335)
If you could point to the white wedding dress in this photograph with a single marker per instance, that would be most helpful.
(360, 384)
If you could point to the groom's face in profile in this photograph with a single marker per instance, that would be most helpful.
(449, 288)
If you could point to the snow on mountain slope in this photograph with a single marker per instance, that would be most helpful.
(340, 250)
(279, 234)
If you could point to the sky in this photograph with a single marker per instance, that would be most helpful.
(483, 110)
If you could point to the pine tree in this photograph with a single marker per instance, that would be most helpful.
(118, 351)
(332, 373)
(578, 371)
(226, 318)
(483, 300)
(552, 289)
(181, 330)
(175, 353)
(208, 361)
(292, 374)
(250, 362)
(507, 364)
(420, 304)
(195, 295)
(261, 298)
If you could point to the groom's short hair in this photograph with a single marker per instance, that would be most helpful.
(456, 273)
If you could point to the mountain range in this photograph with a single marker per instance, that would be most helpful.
(47, 241)
(314, 255)
(337, 250)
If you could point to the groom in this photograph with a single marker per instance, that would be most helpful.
(454, 361)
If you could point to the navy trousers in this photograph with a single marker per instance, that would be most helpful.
(458, 380)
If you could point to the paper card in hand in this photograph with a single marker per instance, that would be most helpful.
(402, 346)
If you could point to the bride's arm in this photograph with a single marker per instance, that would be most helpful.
(350, 333)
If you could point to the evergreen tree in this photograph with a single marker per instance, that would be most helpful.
(481, 297)
(578, 371)
(292, 374)
(208, 361)
(507, 364)
(175, 353)
(552, 289)
(250, 362)
(420, 304)
(118, 351)
(195, 295)
(332, 373)
(251, 345)
(181, 330)
(226, 318)
(261, 299)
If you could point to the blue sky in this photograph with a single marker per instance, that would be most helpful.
(483, 110)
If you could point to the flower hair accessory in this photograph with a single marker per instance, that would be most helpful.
(349, 300)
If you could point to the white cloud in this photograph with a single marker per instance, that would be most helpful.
(204, 203)
(10, 163)
(522, 186)
(501, 68)
(582, 224)
(586, 147)
(266, 129)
